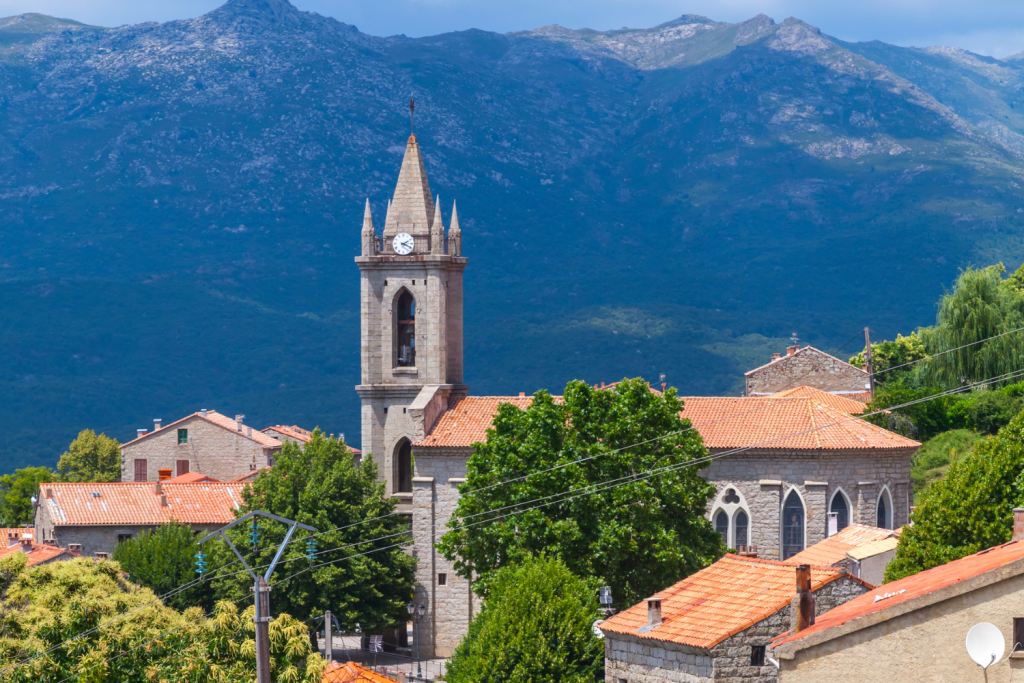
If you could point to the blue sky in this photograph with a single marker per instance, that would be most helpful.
(990, 27)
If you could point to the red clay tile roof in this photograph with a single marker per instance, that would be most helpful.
(350, 672)
(798, 422)
(834, 548)
(246, 478)
(846, 403)
(467, 419)
(130, 503)
(20, 531)
(912, 587)
(224, 421)
(40, 553)
(190, 478)
(719, 601)
(294, 432)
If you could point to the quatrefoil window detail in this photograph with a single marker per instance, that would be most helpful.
(731, 497)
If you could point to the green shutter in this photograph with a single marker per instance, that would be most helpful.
(182, 436)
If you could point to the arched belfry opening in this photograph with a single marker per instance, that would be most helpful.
(403, 467)
(405, 327)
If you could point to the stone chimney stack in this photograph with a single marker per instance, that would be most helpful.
(157, 423)
(139, 433)
(653, 613)
(12, 538)
(1018, 523)
(802, 607)
(790, 350)
(239, 421)
(776, 356)
(158, 488)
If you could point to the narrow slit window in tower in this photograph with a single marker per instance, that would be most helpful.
(406, 331)
(403, 482)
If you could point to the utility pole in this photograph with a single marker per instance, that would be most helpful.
(867, 357)
(328, 638)
(261, 587)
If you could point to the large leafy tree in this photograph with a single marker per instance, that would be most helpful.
(361, 573)
(163, 560)
(970, 509)
(16, 491)
(587, 458)
(91, 457)
(535, 626)
(113, 630)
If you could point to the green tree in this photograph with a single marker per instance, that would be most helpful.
(886, 355)
(922, 420)
(164, 559)
(970, 509)
(637, 537)
(537, 625)
(123, 634)
(16, 491)
(91, 457)
(320, 485)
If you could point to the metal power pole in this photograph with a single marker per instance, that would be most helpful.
(871, 365)
(260, 588)
(328, 638)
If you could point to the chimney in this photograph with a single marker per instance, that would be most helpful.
(653, 613)
(776, 356)
(163, 473)
(163, 500)
(202, 412)
(239, 420)
(157, 423)
(158, 488)
(26, 544)
(802, 607)
(833, 524)
(522, 393)
(48, 493)
(747, 551)
(12, 538)
(1018, 524)
(663, 387)
(790, 350)
(139, 433)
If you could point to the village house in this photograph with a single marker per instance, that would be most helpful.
(21, 541)
(205, 442)
(716, 624)
(91, 519)
(863, 551)
(296, 434)
(808, 367)
(913, 630)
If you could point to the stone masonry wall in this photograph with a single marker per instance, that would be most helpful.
(807, 367)
(765, 478)
(211, 450)
(631, 659)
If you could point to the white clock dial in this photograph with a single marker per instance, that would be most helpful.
(403, 243)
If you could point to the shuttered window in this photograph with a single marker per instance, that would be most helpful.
(141, 470)
(182, 436)
(182, 468)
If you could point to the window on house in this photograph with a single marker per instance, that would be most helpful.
(182, 436)
(792, 526)
(1018, 636)
(406, 329)
(883, 513)
(722, 525)
(121, 538)
(742, 525)
(757, 655)
(842, 511)
(442, 579)
(403, 468)
(182, 467)
(141, 470)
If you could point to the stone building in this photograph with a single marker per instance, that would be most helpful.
(35, 553)
(782, 464)
(715, 625)
(91, 519)
(205, 442)
(863, 551)
(296, 434)
(808, 367)
(913, 630)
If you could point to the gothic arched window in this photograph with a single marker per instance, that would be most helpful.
(403, 467)
(722, 525)
(742, 524)
(842, 511)
(405, 326)
(792, 525)
(883, 513)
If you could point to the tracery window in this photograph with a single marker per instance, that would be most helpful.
(842, 511)
(792, 525)
(722, 525)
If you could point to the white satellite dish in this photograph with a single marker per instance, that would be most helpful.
(985, 644)
(597, 631)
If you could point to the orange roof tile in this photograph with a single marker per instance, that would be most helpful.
(246, 478)
(834, 548)
(294, 432)
(467, 419)
(915, 586)
(138, 504)
(224, 421)
(39, 554)
(350, 672)
(19, 531)
(719, 601)
(846, 403)
(190, 478)
(797, 422)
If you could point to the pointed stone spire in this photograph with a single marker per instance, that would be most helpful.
(413, 205)
(369, 236)
(437, 230)
(454, 234)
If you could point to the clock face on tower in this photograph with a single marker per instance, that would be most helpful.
(402, 243)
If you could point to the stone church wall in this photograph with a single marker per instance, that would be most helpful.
(807, 367)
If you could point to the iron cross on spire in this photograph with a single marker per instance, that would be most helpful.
(412, 110)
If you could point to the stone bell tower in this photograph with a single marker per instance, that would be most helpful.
(411, 312)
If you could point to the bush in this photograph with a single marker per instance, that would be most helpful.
(935, 455)
(537, 625)
(164, 559)
(919, 421)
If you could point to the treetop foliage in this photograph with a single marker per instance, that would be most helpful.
(164, 559)
(91, 457)
(640, 536)
(536, 625)
(16, 491)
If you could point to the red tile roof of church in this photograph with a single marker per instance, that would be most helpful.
(138, 503)
(467, 419)
(350, 672)
(719, 601)
(834, 548)
(846, 403)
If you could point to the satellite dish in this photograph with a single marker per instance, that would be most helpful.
(985, 644)
(597, 631)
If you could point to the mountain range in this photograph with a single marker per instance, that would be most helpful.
(181, 203)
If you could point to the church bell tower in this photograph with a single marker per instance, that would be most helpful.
(411, 315)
